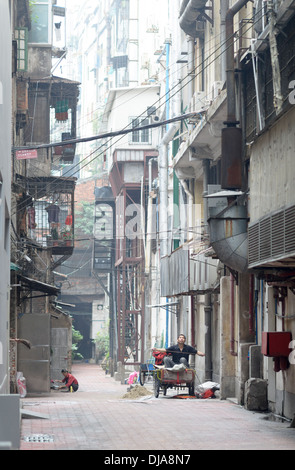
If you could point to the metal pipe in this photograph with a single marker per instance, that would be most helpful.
(208, 346)
(223, 10)
(189, 12)
(206, 168)
(232, 316)
(230, 71)
(163, 188)
(190, 69)
(274, 56)
(251, 304)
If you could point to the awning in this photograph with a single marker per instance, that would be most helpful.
(14, 267)
(35, 285)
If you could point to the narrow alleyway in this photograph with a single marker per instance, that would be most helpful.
(98, 418)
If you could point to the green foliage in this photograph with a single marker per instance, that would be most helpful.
(34, 17)
(76, 339)
(84, 217)
(102, 343)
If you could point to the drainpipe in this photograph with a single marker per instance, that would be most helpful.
(163, 187)
(206, 167)
(163, 167)
(232, 316)
(251, 304)
(274, 55)
(190, 69)
(167, 81)
(208, 347)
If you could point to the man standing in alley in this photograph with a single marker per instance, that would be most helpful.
(69, 381)
(180, 353)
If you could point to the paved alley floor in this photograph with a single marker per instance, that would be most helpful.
(97, 417)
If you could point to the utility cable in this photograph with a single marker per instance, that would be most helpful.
(124, 131)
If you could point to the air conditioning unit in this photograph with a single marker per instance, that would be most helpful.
(155, 118)
(152, 114)
(216, 89)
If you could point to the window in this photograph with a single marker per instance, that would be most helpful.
(39, 32)
(140, 136)
(21, 37)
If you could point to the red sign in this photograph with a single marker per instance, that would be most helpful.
(26, 154)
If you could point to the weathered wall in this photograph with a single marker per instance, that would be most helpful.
(5, 191)
(272, 170)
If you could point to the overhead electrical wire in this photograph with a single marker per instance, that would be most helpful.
(107, 134)
(171, 73)
(126, 130)
(170, 96)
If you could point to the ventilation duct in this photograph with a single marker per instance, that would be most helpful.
(189, 12)
(231, 157)
(228, 227)
(228, 233)
(231, 161)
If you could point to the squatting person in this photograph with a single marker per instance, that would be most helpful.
(69, 381)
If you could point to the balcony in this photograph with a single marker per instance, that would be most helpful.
(50, 213)
(204, 140)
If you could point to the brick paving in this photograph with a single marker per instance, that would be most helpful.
(98, 418)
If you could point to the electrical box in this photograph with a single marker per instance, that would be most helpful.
(276, 343)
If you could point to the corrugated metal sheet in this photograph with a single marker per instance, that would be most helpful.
(180, 274)
(175, 273)
(203, 273)
(133, 155)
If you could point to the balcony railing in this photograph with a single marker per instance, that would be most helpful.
(49, 217)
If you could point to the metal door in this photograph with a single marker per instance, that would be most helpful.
(34, 362)
(59, 352)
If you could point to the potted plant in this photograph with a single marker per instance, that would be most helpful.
(66, 236)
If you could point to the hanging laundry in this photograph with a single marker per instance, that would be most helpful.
(31, 217)
(53, 213)
(61, 110)
(69, 220)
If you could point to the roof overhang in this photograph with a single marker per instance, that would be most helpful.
(38, 286)
(204, 141)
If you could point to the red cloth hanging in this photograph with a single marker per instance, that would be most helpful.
(69, 220)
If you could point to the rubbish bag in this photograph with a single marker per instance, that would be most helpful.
(21, 384)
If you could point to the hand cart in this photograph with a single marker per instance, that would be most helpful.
(164, 379)
(146, 370)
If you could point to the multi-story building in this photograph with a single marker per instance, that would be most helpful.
(269, 70)
(203, 206)
(235, 162)
(42, 207)
(211, 257)
(88, 61)
(7, 403)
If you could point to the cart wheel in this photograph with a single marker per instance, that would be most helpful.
(191, 389)
(141, 377)
(156, 386)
